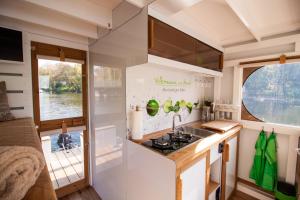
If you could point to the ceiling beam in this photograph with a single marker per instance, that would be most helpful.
(245, 16)
(80, 9)
(28, 12)
(170, 7)
(263, 44)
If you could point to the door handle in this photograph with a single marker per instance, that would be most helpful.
(226, 152)
(298, 151)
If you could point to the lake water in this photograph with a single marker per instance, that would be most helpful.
(58, 106)
(273, 110)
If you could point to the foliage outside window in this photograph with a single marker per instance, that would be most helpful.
(272, 94)
(60, 89)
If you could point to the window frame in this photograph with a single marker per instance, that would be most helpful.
(239, 66)
(245, 114)
(68, 53)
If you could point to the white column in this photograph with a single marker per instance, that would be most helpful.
(217, 89)
(237, 89)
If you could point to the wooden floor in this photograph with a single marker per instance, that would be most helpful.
(90, 194)
(65, 166)
(86, 194)
(241, 196)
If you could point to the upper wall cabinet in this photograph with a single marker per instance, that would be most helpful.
(168, 42)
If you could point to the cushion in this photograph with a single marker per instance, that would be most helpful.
(5, 114)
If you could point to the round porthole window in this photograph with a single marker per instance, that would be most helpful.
(272, 93)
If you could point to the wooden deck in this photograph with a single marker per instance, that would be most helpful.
(65, 166)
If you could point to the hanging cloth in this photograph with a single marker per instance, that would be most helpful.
(270, 172)
(258, 166)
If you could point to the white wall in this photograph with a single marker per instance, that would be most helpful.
(227, 85)
(247, 150)
(249, 137)
(141, 87)
(36, 33)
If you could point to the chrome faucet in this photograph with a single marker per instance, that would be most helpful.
(173, 126)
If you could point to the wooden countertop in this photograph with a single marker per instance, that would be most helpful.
(194, 150)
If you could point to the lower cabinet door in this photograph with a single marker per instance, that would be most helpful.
(193, 181)
(231, 166)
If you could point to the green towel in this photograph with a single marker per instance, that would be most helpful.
(258, 166)
(270, 172)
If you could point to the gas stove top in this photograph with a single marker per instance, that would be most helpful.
(171, 142)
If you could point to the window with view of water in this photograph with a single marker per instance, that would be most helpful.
(60, 88)
(272, 94)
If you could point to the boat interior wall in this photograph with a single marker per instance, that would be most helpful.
(18, 75)
(286, 135)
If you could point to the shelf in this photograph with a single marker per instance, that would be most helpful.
(156, 60)
(213, 186)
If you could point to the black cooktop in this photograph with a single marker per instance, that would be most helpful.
(171, 142)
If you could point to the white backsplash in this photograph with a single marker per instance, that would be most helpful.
(144, 82)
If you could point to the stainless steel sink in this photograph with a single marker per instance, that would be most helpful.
(199, 132)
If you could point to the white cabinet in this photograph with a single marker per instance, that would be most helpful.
(193, 181)
(230, 166)
(149, 175)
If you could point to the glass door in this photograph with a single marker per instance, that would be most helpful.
(60, 113)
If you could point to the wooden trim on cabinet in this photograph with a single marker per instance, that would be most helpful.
(221, 64)
(178, 188)
(186, 49)
(226, 152)
(225, 159)
(150, 33)
(207, 174)
(232, 136)
(237, 158)
(223, 176)
(189, 162)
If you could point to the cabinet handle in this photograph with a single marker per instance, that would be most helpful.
(226, 152)
(151, 34)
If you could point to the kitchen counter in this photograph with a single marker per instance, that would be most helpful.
(194, 150)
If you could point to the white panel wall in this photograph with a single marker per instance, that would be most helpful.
(37, 33)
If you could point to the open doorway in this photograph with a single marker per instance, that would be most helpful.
(60, 113)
